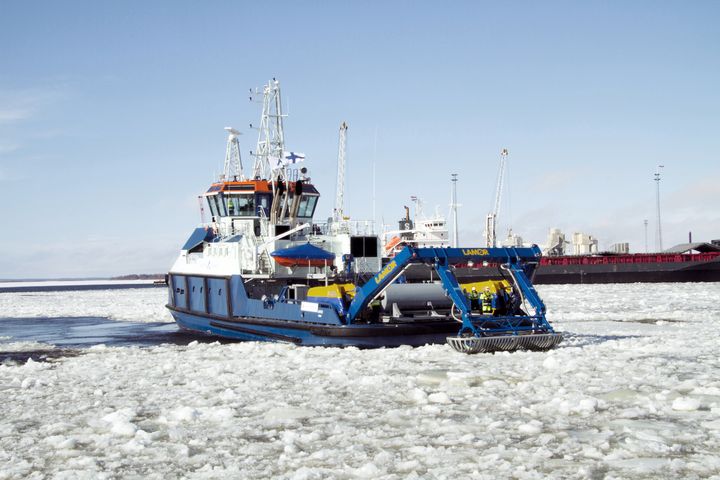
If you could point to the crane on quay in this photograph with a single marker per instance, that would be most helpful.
(491, 219)
(340, 187)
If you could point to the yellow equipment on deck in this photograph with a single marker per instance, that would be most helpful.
(336, 290)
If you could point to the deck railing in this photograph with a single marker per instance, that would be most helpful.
(353, 227)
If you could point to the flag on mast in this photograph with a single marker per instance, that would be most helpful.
(292, 157)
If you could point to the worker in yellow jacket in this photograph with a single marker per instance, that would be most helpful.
(487, 308)
(474, 297)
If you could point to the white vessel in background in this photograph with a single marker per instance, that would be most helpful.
(420, 231)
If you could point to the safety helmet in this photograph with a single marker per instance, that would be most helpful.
(473, 288)
(487, 289)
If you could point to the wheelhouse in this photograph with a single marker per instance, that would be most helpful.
(254, 198)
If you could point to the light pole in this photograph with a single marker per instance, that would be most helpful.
(454, 209)
(658, 236)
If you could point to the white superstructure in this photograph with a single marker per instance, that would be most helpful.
(254, 221)
(420, 231)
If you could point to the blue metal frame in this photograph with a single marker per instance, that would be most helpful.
(520, 262)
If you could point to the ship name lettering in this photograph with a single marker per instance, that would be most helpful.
(475, 251)
(385, 272)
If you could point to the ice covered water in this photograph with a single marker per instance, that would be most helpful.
(632, 392)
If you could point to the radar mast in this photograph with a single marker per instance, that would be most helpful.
(233, 163)
(271, 139)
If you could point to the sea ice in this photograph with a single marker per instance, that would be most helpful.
(686, 404)
(632, 392)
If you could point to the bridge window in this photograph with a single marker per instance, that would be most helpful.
(213, 206)
(217, 200)
(307, 206)
(240, 205)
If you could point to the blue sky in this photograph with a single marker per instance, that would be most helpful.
(112, 116)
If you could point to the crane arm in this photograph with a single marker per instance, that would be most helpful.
(340, 187)
(491, 220)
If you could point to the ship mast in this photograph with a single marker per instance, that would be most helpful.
(271, 138)
(233, 163)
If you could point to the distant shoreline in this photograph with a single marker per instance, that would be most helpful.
(132, 276)
(71, 285)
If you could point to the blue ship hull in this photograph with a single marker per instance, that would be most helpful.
(361, 336)
(220, 306)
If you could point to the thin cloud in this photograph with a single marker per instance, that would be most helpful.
(8, 148)
(21, 105)
(12, 115)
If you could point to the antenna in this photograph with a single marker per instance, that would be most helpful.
(418, 208)
(658, 234)
(233, 163)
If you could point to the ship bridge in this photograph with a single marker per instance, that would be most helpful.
(254, 198)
